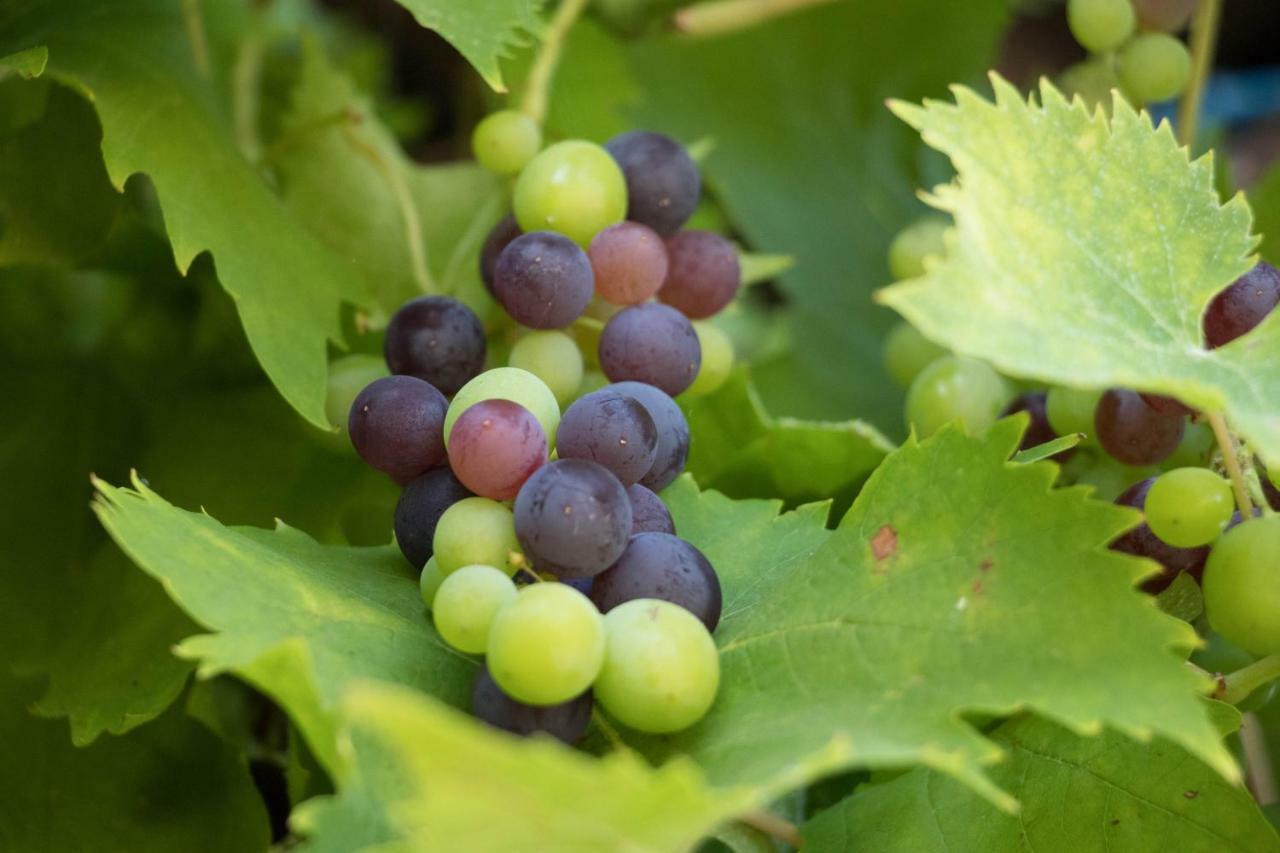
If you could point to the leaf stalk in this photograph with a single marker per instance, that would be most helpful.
(726, 16)
(1204, 41)
(538, 85)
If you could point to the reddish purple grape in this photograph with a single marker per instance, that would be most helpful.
(648, 513)
(673, 433)
(629, 261)
(566, 722)
(663, 183)
(418, 512)
(1242, 306)
(495, 446)
(704, 274)
(543, 280)
(1170, 406)
(662, 566)
(502, 234)
(1133, 432)
(1141, 542)
(396, 425)
(573, 518)
(651, 343)
(437, 339)
(611, 428)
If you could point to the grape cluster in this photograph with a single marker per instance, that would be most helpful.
(542, 541)
(1133, 49)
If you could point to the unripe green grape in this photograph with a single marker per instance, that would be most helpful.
(1093, 80)
(919, 240)
(1241, 585)
(554, 358)
(592, 380)
(1071, 410)
(661, 669)
(574, 188)
(717, 359)
(1154, 67)
(508, 383)
(955, 388)
(429, 581)
(465, 604)
(546, 646)
(907, 352)
(476, 531)
(1101, 25)
(1109, 478)
(503, 142)
(348, 376)
(1195, 448)
(1189, 507)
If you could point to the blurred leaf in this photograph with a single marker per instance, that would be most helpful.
(757, 268)
(484, 31)
(1182, 598)
(1265, 201)
(27, 63)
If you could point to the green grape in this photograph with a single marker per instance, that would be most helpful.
(476, 531)
(592, 380)
(572, 187)
(907, 352)
(554, 358)
(1273, 474)
(1221, 657)
(1153, 67)
(508, 383)
(919, 240)
(1241, 585)
(466, 603)
(1189, 507)
(429, 581)
(1093, 80)
(661, 668)
(505, 141)
(1071, 410)
(717, 359)
(1195, 448)
(546, 646)
(1107, 476)
(955, 388)
(1101, 25)
(348, 376)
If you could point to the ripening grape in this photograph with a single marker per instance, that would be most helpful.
(503, 142)
(1142, 542)
(1189, 507)
(566, 722)
(919, 240)
(673, 433)
(499, 238)
(437, 339)
(1101, 25)
(573, 188)
(476, 531)
(573, 518)
(651, 343)
(1239, 308)
(465, 604)
(661, 668)
(662, 180)
(553, 357)
(395, 425)
(508, 383)
(613, 429)
(1242, 585)
(546, 646)
(348, 376)
(704, 274)
(1167, 16)
(495, 446)
(543, 280)
(955, 388)
(418, 512)
(648, 513)
(1133, 432)
(663, 566)
(429, 582)
(1038, 429)
(1195, 449)
(717, 359)
(1153, 67)
(630, 263)
(1171, 406)
(907, 352)
(1071, 410)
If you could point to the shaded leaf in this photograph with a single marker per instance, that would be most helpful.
(484, 31)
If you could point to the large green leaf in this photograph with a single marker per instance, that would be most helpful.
(162, 117)
(484, 31)
(957, 582)
(1103, 793)
(424, 777)
(1085, 253)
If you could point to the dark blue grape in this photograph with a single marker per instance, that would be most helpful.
(659, 565)
(1242, 306)
(673, 433)
(502, 234)
(663, 183)
(396, 425)
(611, 428)
(437, 339)
(573, 518)
(651, 343)
(648, 513)
(543, 280)
(418, 511)
(566, 722)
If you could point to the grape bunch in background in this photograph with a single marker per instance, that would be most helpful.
(542, 540)
(1133, 48)
(1143, 450)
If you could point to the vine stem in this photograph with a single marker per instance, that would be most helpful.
(194, 22)
(1232, 462)
(771, 824)
(725, 16)
(1204, 41)
(1259, 772)
(1238, 685)
(538, 85)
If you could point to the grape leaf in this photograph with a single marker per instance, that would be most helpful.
(1085, 253)
(160, 116)
(171, 786)
(423, 776)
(319, 616)
(484, 31)
(957, 582)
(738, 449)
(29, 63)
(1103, 793)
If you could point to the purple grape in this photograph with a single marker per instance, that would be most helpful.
(582, 585)
(502, 234)
(573, 518)
(1133, 432)
(396, 425)
(566, 722)
(495, 446)
(673, 433)
(663, 184)
(543, 280)
(659, 565)
(651, 343)
(1242, 306)
(611, 428)
(703, 275)
(1038, 429)
(648, 513)
(629, 261)
(437, 339)
(1170, 406)
(418, 512)
(1141, 542)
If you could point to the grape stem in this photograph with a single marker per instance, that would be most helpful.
(726, 16)
(610, 733)
(770, 824)
(193, 20)
(538, 84)
(1259, 773)
(1232, 463)
(1237, 686)
(1204, 41)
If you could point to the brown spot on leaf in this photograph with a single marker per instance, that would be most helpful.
(976, 589)
(985, 566)
(884, 544)
(1190, 795)
(1115, 822)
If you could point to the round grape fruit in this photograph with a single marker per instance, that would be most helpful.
(573, 518)
(1133, 432)
(651, 343)
(495, 446)
(436, 339)
(662, 566)
(396, 426)
(663, 184)
(543, 280)
(704, 274)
